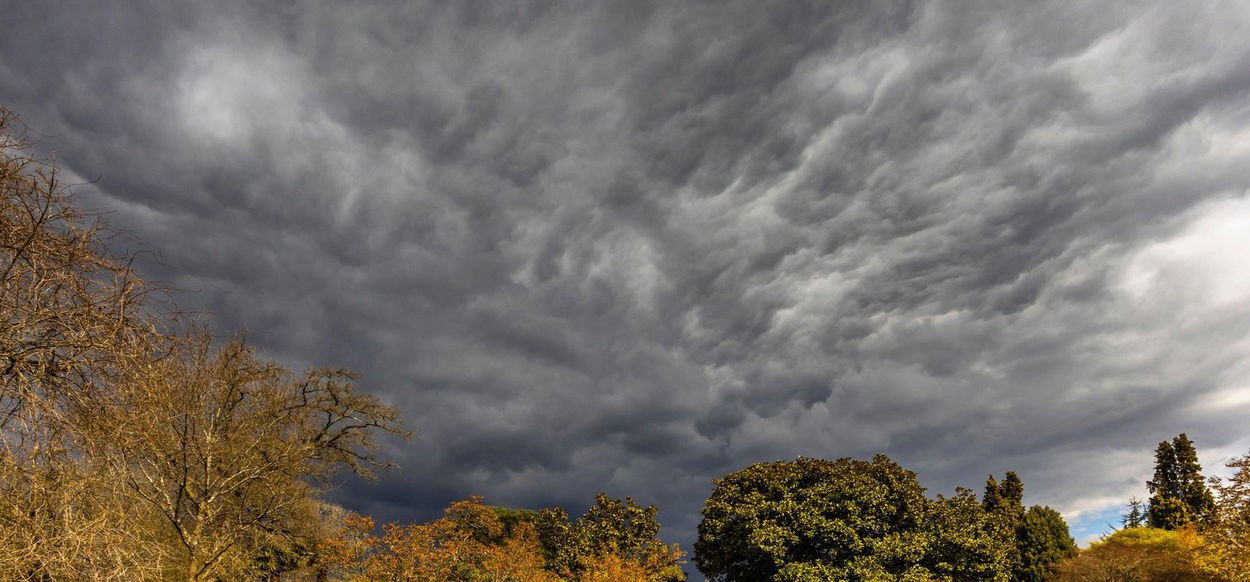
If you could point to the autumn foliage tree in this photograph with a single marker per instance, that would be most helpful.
(1227, 548)
(614, 535)
(614, 541)
(445, 550)
(226, 450)
(73, 314)
(1140, 554)
(128, 450)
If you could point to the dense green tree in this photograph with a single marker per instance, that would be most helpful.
(1043, 541)
(1191, 485)
(482, 526)
(965, 541)
(1178, 492)
(1039, 535)
(992, 501)
(553, 527)
(1003, 501)
(619, 528)
(1168, 513)
(1164, 482)
(814, 519)
(1012, 490)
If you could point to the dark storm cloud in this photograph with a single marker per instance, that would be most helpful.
(633, 246)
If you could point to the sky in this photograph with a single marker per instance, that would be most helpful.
(632, 246)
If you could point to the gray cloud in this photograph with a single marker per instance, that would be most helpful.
(634, 246)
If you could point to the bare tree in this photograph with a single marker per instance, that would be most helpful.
(71, 315)
(229, 450)
(128, 452)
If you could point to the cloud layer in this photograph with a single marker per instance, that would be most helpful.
(632, 246)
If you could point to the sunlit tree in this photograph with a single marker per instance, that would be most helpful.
(814, 519)
(1227, 551)
(444, 550)
(1140, 554)
(227, 449)
(613, 534)
(74, 315)
(1178, 492)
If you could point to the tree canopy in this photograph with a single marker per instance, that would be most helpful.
(614, 541)
(814, 519)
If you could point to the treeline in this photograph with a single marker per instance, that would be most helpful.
(135, 446)
(816, 519)
(813, 519)
(1190, 528)
(614, 541)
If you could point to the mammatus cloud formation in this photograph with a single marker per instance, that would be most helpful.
(631, 246)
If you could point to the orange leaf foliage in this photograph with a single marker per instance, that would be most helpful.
(443, 550)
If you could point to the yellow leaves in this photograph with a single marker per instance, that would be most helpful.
(660, 565)
(1223, 550)
(1227, 550)
(613, 568)
(472, 543)
(1140, 554)
(446, 549)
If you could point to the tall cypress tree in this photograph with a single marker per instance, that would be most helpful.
(1178, 492)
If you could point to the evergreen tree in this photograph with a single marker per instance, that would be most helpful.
(1178, 492)
(1163, 513)
(1038, 537)
(1004, 502)
(993, 500)
(1136, 516)
(1043, 541)
(1012, 490)
(1191, 486)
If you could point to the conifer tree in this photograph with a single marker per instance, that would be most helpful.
(1178, 492)
(1012, 490)
(1039, 536)
(1191, 486)
(993, 499)
(1136, 516)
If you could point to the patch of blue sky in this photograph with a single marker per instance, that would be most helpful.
(1093, 525)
